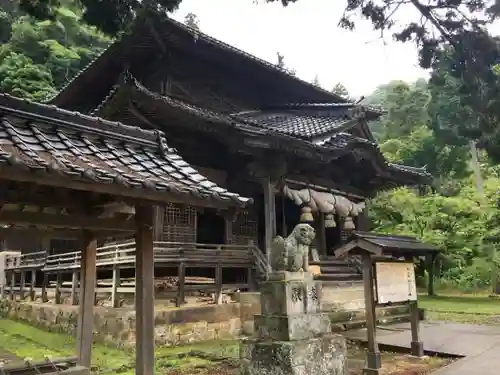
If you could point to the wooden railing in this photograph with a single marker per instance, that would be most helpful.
(191, 254)
(26, 261)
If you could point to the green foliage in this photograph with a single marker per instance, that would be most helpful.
(39, 57)
(340, 90)
(417, 130)
(21, 77)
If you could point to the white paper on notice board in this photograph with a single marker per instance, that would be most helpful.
(395, 282)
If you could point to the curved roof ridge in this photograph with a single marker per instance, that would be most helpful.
(52, 114)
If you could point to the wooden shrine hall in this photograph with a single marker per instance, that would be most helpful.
(68, 173)
(300, 152)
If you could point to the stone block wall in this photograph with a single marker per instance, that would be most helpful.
(343, 298)
(117, 326)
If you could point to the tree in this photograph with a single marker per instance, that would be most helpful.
(39, 57)
(340, 90)
(316, 81)
(282, 65)
(192, 21)
(406, 106)
(23, 78)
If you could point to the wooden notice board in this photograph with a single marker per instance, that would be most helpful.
(395, 282)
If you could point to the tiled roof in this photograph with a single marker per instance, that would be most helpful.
(393, 242)
(303, 121)
(342, 139)
(295, 127)
(171, 26)
(45, 138)
(300, 124)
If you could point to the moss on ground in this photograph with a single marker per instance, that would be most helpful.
(209, 358)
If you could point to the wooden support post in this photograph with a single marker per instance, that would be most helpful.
(182, 284)
(228, 230)
(22, 285)
(417, 346)
(12, 286)
(32, 285)
(218, 281)
(373, 360)
(88, 275)
(144, 291)
(45, 284)
(323, 251)
(58, 288)
(115, 301)
(269, 216)
(74, 288)
(284, 229)
(430, 260)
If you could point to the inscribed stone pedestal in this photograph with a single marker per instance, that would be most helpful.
(292, 335)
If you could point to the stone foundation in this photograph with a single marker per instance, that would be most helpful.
(292, 333)
(117, 326)
(321, 355)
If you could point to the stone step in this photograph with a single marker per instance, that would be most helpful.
(355, 319)
(336, 270)
(345, 268)
(330, 262)
(361, 323)
(339, 277)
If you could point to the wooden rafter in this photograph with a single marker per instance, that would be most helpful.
(65, 221)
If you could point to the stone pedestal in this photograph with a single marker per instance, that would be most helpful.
(292, 335)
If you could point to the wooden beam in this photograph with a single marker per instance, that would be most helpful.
(148, 196)
(144, 291)
(66, 221)
(88, 273)
(54, 233)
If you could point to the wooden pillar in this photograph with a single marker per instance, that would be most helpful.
(32, 285)
(144, 291)
(373, 360)
(12, 285)
(182, 284)
(45, 283)
(321, 234)
(22, 285)
(218, 279)
(115, 301)
(363, 221)
(269, 215)
(88, 275)
(417, 347)
(74, 288)
(431, 258)
(58, 288)
(159, 220)
(284, 229)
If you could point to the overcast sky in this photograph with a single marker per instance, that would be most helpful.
(306, 33)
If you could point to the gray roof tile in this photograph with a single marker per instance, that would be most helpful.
(46, 138)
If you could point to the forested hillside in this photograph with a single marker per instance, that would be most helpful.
(452, 213)
(39, 57)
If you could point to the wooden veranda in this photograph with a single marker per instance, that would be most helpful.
(60, 171)
(21, 269)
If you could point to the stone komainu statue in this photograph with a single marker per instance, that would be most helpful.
(292, 253)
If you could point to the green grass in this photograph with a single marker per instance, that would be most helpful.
(24, 341)
(477, 309)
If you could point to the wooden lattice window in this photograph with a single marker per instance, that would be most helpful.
(179, 224)
(244, 228)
